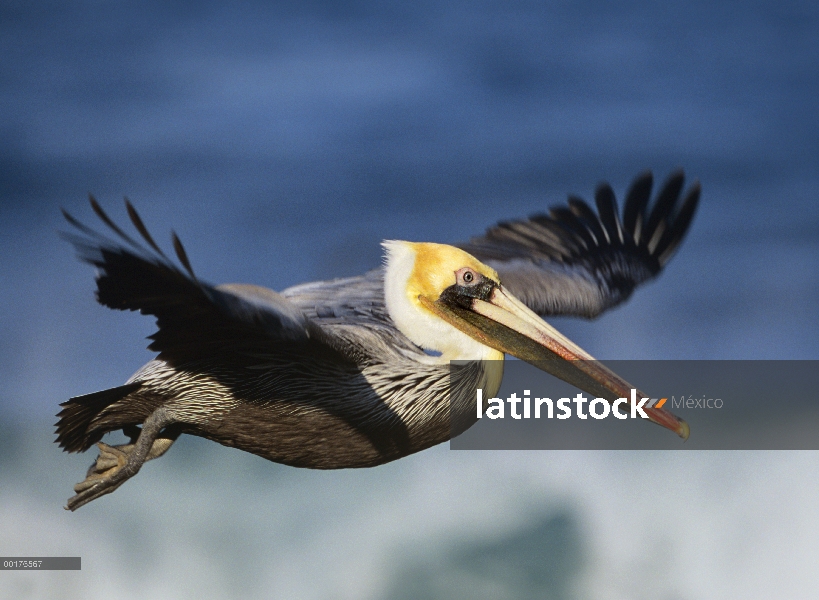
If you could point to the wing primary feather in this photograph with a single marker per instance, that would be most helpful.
(182, 255)
(636, 201)
(549, 241)
(114, 227)
(140, 226)
(607, 207)
(88, 252)
(682, 220)
(563, 215)
(582, 210)
(83, 228)
(561, 239)
(554, 236)
(663, 205)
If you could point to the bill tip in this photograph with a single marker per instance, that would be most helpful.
(683, 430)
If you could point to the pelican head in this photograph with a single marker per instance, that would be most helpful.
(445, 300)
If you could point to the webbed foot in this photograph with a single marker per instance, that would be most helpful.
(117, 464)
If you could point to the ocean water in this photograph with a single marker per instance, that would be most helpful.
(283, 141)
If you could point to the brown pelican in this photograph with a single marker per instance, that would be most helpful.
(355, 372)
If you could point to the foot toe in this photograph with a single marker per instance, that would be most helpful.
(108, 464)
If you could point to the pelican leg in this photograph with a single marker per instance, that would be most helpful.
(116, 464)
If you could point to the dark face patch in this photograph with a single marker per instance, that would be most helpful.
(470, 285)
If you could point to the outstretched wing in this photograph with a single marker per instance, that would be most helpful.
(575, 261)
(196, 321)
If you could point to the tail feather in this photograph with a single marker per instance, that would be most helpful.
(74, 433)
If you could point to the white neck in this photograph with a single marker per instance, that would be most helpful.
(413, 320)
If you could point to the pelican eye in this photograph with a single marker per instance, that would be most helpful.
(467, 276)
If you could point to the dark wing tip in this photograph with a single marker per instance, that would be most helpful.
(681, 222)
(574, 224)
(635, 205)
(98, 209)
(590, 220)
(140, 227)
(110, 223)
(660, 217)
(657, 228)
(79, 242)
(93, 246)
(606, 203)
(71, 220)
(181, 254)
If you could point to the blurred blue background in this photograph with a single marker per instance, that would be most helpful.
(283, 141)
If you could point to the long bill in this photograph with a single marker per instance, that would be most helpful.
(506, 324)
